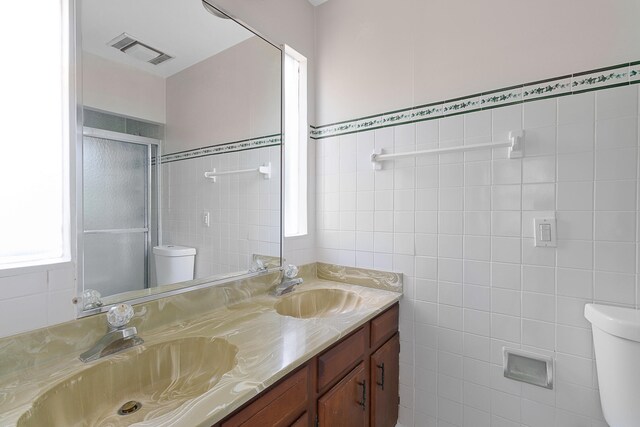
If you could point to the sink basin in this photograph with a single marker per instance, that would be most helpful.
(144, 382)
(318, 303)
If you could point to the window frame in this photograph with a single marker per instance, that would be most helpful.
(299, 209)
(67, 138)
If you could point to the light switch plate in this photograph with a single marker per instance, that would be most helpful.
(544, 230)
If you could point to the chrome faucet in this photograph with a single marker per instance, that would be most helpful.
(288, 282)
(118, 338)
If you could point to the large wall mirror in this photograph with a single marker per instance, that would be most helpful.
(180, 155)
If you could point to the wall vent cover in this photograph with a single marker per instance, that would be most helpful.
(142, 51)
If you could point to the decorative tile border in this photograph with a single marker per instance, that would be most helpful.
(501, 97)
(634, 72)
(603, 78)
(461, 105)
(547, 88)
(230, 147)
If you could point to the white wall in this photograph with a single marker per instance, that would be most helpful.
(460, 228)
(281, 20)
(291, 22)
(244, 210)
(36, 297)
(232, 96)
(118, 88)
(375, 56)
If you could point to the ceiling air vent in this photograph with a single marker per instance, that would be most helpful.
(160, 59)
(132, 47)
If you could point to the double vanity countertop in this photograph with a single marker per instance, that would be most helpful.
(266, 345)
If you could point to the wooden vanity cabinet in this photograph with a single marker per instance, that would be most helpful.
(282, 405)
(354, 383)
(385, 370)
(339, 359)
(303, 421)
(345, 404)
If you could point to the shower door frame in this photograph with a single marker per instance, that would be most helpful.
(149, 143)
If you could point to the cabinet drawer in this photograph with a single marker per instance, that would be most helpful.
(384, 326)
(279, 406)
(340, 358)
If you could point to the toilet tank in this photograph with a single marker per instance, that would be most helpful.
(174, 263)
(616, 340)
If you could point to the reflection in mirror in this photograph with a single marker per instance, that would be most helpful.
(181, 149)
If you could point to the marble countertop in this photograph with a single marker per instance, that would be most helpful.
(269, 346)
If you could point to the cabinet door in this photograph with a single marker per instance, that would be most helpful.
(303, 421)
(345, 404)
(385, 371)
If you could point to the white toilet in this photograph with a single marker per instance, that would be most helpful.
(616, 339)
(174, 264)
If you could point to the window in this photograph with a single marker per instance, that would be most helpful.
(34, 110)
(295, 143)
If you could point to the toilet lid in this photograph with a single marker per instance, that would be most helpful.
(174, 250)
(619, 321)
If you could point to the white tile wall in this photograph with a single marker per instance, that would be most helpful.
(244, 209)
(39, 298)
(460, 227)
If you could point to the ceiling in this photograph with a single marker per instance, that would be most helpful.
(317, 2)
(180, 28)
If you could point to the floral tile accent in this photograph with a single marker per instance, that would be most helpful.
(266, 141)
(425, 112)
(634, 72)
(393, 119)
(336, 129)
(546, 88)
(597, 79)
(579, 82)
(497, 98)
(388, 119)
(463, 105)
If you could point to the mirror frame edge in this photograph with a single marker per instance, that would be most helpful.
(76, 120)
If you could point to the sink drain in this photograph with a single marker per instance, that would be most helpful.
(129, 408)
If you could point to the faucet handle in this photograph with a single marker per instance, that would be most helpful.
(290, 271)
(119, 315)
(258, 266)
(90, 299)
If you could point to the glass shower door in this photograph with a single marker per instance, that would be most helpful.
(117, 198)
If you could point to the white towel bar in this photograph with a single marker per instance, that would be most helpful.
(265, 170)
(515, 144)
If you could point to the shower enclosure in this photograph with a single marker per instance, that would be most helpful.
(121, 209)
